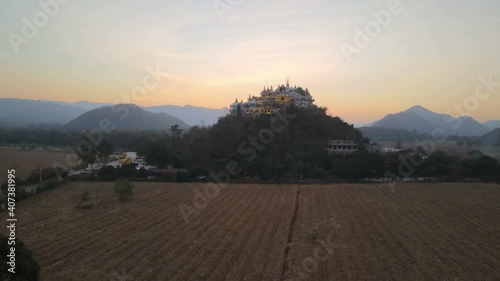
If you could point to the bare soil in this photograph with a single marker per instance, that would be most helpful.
(27, 161)
(406, 232)
(266, 232)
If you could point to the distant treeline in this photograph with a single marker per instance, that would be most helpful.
(297, 152)
(386, 134)
(288, 146)
(58, 137)
(357, 166)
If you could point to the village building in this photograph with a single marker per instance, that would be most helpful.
(340, 146)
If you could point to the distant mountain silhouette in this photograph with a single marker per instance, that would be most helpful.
(191, 114)
(84, 104)
(492, 124)
(19, 112)
(491, 138)
(425, 121)
(125, 117)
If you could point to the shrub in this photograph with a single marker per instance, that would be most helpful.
(182, 176)
(142, 173)
(124, 190)
(27, 268)
(21, 194)
(85, 201)
(49, 184)
(3, 202)
(47, 174)
(126, 171)
(107, 173)
(86, 196)
(168, 177)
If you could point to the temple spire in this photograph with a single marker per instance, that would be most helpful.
(288, 82)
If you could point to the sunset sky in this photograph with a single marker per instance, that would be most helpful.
(430, 53)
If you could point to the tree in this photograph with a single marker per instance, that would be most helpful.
(27, 268)
(142, 173)
(3, 200)
(104, 149)
(398, 144)
(182, 176)
(238, 110)
(126, 170)
(438, 164)
(176, 131)
(94, 153)
(123, 190)
(87, 154)
(481, 166)
(107, 172)
(456, 171)
(157, 154)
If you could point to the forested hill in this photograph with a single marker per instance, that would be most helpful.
(265, 145)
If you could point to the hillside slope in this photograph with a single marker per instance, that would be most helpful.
(192, 115)
(491, 138)
(264, 146)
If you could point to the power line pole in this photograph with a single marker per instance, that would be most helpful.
(40, 173)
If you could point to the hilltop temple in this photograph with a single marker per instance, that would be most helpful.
(271, 100)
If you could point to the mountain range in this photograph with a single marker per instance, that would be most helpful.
(423, 120)
(20, 112)
(492, 124)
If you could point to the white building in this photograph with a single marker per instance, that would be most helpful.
(340, 146)
(94, 167)
(391, 149)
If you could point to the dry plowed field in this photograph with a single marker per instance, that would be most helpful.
(27, 161)
(267, 232)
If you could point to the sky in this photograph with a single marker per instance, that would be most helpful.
(362, 59)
